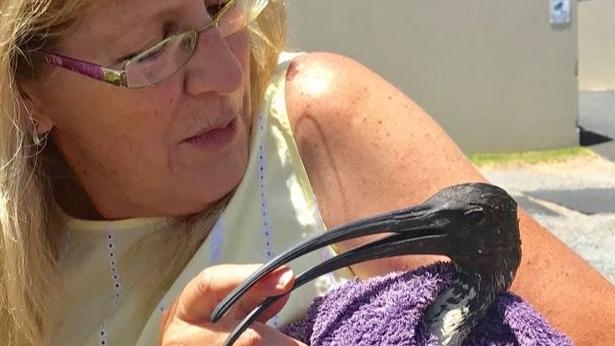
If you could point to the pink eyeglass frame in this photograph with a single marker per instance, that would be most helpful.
(89, 69)
(113, 76)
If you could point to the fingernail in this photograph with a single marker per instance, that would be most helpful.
(285, 279)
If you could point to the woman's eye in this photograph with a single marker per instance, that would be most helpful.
(142, 56)
(214, 9)
(154, 52)
(151, 55)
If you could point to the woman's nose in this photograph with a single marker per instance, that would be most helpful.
(214, 66)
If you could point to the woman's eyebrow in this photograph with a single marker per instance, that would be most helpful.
(129, 29)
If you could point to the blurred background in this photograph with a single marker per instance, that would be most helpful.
(501, 76)
(498, 65)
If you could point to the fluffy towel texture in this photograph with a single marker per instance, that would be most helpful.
(388, 311)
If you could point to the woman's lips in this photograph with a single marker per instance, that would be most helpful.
(215, 139)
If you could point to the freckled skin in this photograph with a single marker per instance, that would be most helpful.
(120, 147)
(417, 160)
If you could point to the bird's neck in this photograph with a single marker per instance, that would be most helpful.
(458, 308)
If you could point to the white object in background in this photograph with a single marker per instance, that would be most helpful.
(560, 11)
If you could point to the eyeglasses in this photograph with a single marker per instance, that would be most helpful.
(159, 62)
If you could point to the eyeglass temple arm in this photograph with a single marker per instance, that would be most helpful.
(85, 68)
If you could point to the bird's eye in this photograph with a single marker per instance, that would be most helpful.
(475, 217)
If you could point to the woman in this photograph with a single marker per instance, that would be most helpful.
(113, 177)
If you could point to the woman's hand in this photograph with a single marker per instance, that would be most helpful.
(187, 321)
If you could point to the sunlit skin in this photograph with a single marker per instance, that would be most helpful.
(367, 148)
(126, 147)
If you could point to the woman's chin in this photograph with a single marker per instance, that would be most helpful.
(216, 191)
(209, 178)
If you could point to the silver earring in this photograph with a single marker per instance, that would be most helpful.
(41, 140)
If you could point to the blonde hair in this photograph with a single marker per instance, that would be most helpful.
(30, 235)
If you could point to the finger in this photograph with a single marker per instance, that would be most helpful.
(207, 289)
(251, 301)
(273, 310)
(261, 334)
(258, 334)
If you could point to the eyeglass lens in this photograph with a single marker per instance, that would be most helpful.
(170, 55)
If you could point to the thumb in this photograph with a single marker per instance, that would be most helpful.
(206, 290)
(260, 334)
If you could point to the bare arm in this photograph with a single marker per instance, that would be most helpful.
(368, 148)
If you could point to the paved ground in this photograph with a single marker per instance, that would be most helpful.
(574, 199)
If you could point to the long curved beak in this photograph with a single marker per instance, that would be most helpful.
(390, 246)
(416, 230)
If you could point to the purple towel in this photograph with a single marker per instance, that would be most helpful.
(388, 311)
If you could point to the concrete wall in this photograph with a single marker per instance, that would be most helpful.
(597, 45)
(494, 73)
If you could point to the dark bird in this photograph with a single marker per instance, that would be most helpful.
(474, 224)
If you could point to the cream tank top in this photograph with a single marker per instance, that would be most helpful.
(272, 209)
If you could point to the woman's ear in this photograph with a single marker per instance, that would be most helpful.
(32, 107)
(43, 126)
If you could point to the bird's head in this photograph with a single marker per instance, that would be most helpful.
(478, 229)
(474, 224)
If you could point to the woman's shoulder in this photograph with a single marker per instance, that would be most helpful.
(336, 93)
(323, 81)
(360, 138)
(342, 93)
